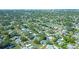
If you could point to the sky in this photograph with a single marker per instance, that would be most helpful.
(39, 4)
